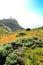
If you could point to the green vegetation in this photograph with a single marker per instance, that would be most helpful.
(13, 59)
(3, 31)
(28, 51)
(21, 34)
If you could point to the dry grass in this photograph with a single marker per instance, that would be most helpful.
(12, 37)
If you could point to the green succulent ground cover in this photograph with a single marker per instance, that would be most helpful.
(27, 51)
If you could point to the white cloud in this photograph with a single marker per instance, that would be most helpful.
(16, 9)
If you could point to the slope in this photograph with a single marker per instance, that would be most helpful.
(11, 24)
(22, 34)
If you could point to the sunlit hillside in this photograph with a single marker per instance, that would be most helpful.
(22, 34)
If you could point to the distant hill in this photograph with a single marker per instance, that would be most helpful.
(10, 24)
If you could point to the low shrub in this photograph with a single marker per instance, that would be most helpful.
(21, 34)
(14, 59)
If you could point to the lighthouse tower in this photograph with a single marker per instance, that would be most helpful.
(11, 18)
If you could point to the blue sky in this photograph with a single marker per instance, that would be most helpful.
(28, 13)
(36, 6)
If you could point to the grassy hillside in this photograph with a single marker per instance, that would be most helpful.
(21, 34)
